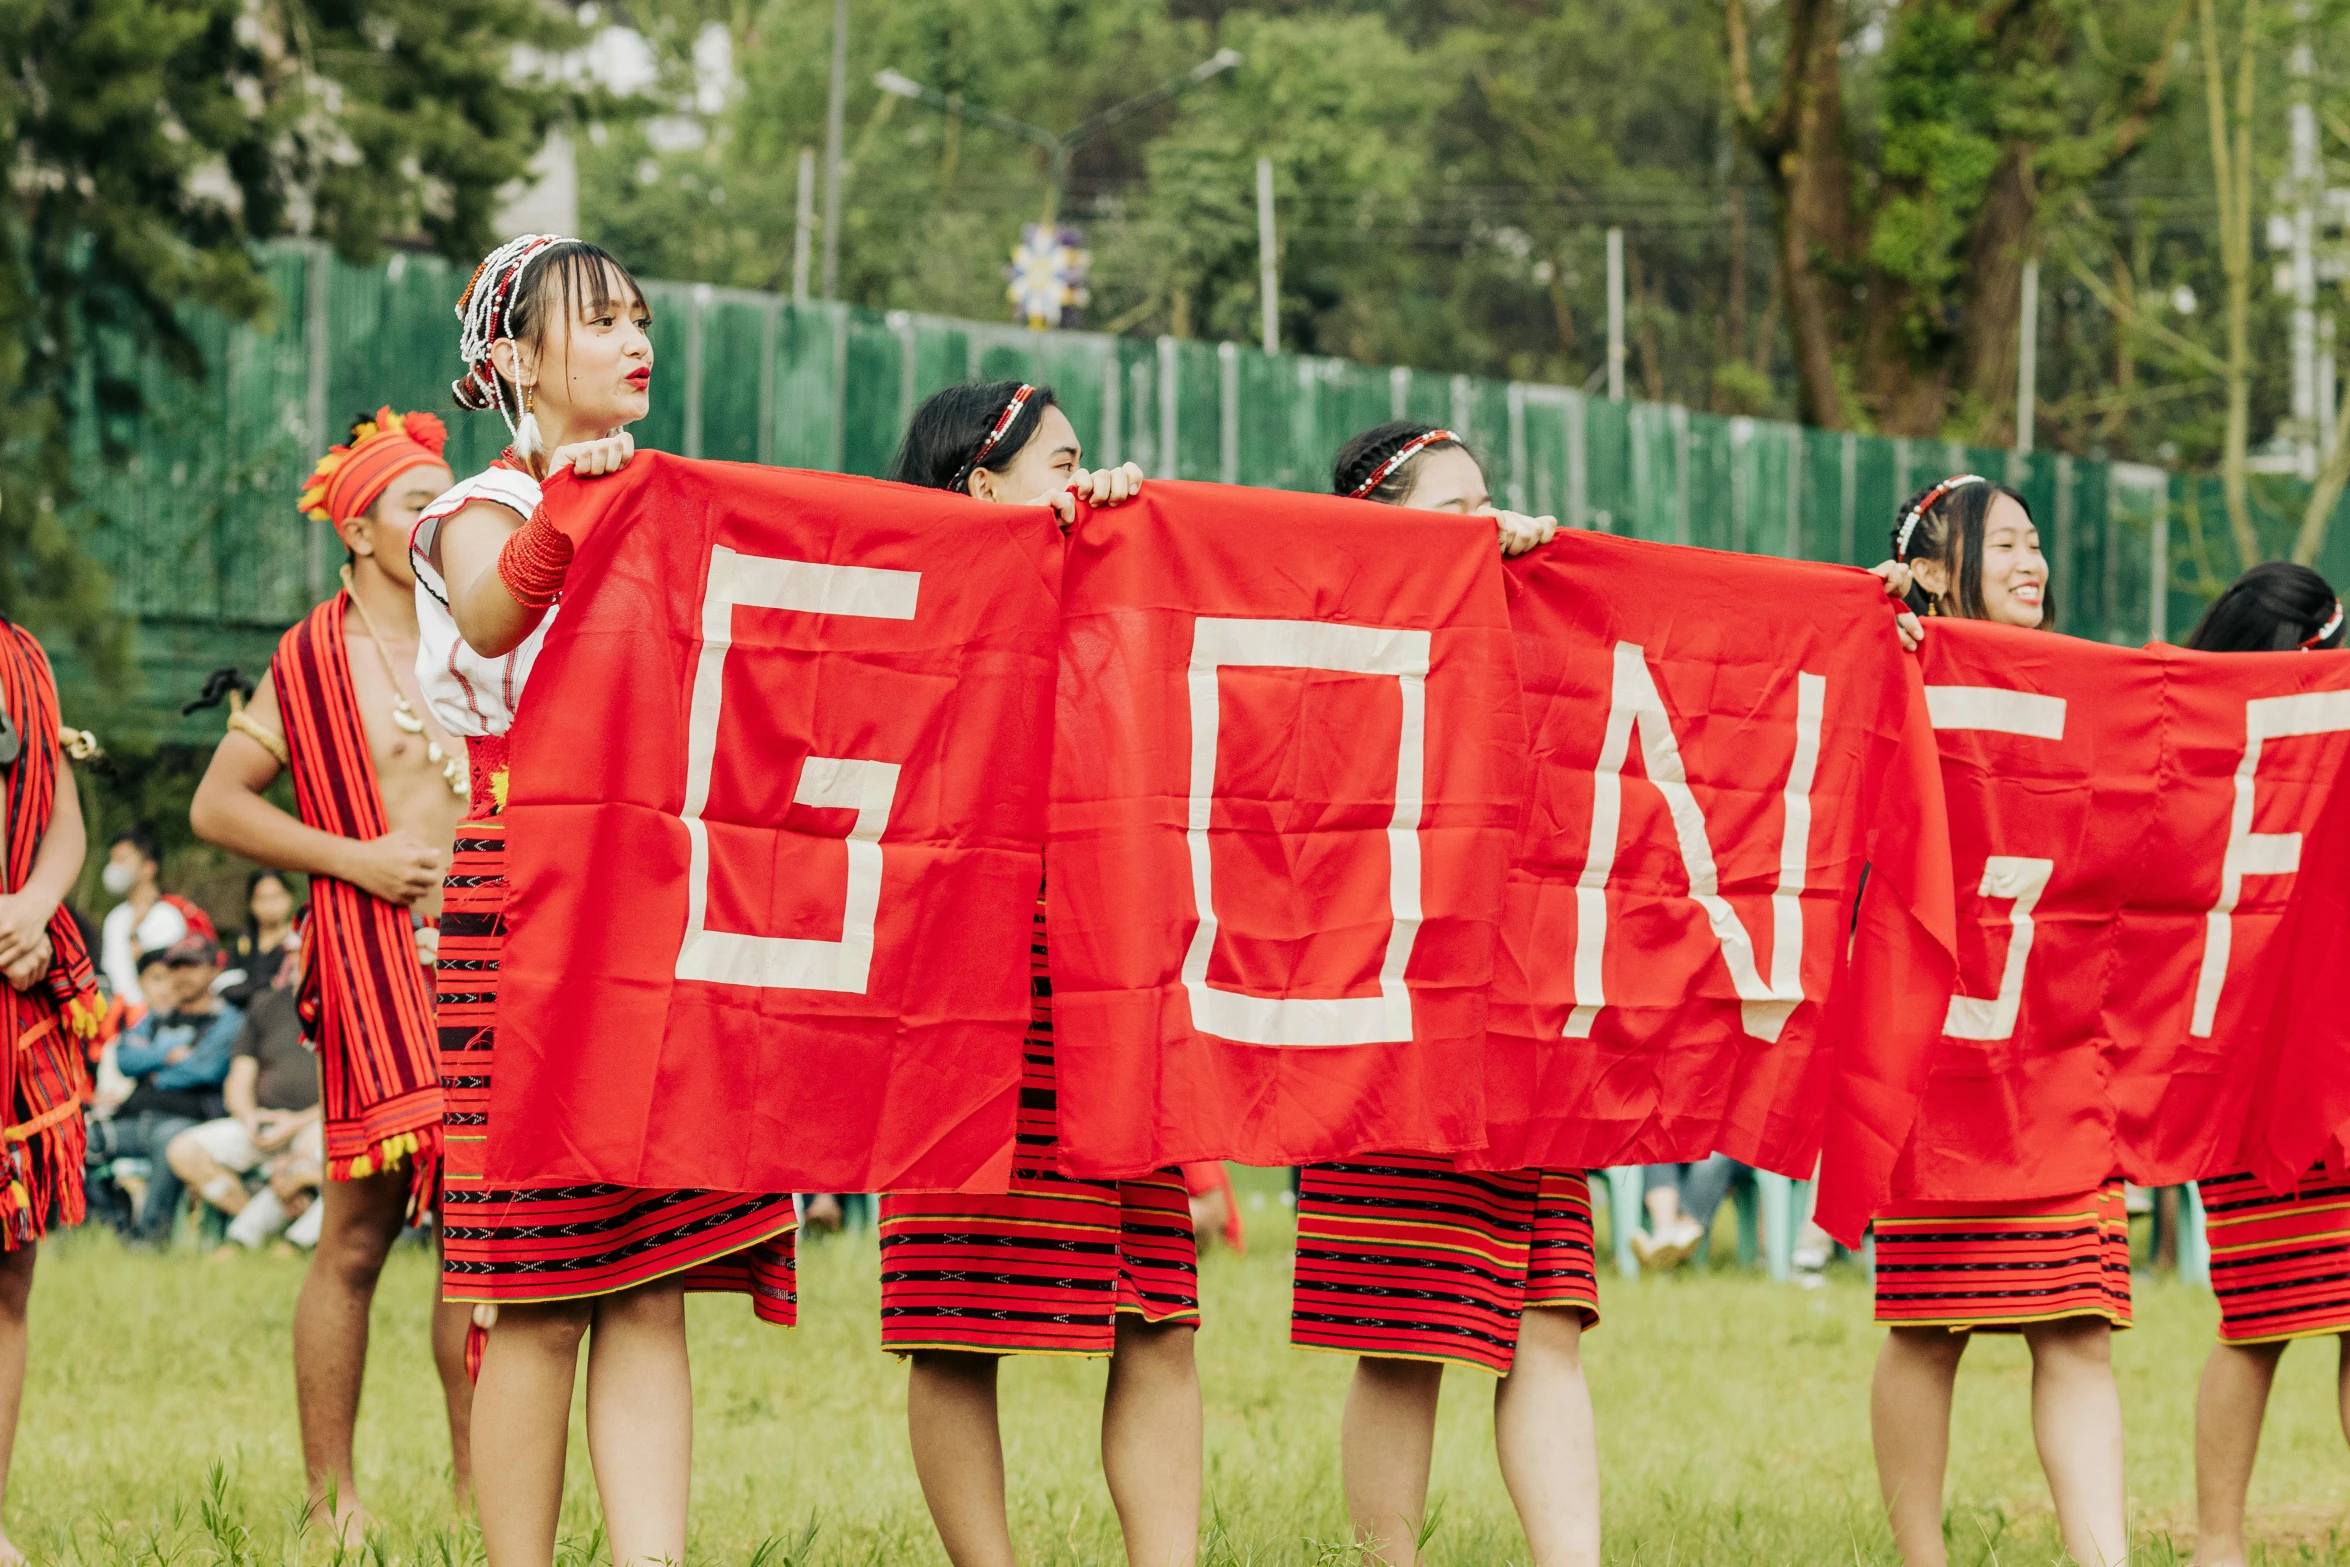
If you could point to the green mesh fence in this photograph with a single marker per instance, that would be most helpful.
(208, 555)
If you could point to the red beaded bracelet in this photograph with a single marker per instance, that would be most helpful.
(533, 562)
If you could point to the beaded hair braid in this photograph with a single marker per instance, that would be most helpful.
(483, 312)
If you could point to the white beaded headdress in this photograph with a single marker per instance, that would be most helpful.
(483, 312)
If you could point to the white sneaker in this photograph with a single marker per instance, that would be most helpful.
(1675, 1246)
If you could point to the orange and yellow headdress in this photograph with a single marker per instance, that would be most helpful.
(348, 478)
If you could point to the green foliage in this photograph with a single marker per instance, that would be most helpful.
(153, 141)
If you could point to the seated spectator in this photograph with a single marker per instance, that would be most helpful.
(260, 949)
(176, 1057)
(1682, 1200)
(110, 1086)
(273, 1126)
(144, 921)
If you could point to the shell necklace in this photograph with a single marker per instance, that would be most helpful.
(404, 716)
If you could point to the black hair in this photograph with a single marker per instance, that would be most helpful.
(142, 839)
(1951, 534)
(947, 431)
(2273, 608)
(1358, 458)
(573, 273)
(253, 884)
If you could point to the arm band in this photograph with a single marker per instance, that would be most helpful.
(275, 745)
(533, 561)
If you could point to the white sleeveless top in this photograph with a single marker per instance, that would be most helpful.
(471, 695)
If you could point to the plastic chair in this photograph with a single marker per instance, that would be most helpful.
(1623, 1214)
(2194, 1240)
(1786, 1208)
(1770, 1210)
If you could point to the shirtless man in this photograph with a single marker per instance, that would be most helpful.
(346, 672)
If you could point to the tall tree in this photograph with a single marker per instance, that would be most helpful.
(1904, 221)
(153, 141)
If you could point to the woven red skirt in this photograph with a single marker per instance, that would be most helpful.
(1045, 1268)
(1405, 1257)
(2280, 1265)
(568, 1242)
(1997, 1266)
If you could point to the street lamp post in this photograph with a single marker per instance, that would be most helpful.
(1057, 148)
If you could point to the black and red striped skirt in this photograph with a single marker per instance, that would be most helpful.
(1047, 1267)
(1406, 1257)
(1972, 1266)
(2280, 1265)
(512, 1244)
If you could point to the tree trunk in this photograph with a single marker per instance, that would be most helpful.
(1800, 144)
(2310, 542)
(1994, 298)
(2231, 168)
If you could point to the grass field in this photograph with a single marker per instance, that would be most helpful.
(159, 1429)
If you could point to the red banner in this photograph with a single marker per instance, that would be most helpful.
(2301, 1096)
(1287, 764)
(1720, 743)
(777, 812)
(2127, 832)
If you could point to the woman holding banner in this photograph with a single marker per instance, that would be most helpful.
(1054, 1266)
(2279, 1264)
(554, 340)
(1412, 1264)
(2055, 1269)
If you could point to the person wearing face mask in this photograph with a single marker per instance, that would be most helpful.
(2280, 1265)
(1054, 1266)
(144, 921)
(554, 339)
(1412, 1264)
(2056, 1270)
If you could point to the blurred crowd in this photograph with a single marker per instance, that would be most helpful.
(200, 1079)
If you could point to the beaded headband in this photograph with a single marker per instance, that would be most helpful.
(995, 436)
(483, 312)
(2326, 630)
(1927, 503)
(1396, 459)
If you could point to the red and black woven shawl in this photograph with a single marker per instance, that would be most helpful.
(42, 1071)
(365, 999)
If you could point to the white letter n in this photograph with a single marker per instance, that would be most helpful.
(1764, 1008)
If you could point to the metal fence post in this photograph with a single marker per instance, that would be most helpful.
(1517, 397)
(1795, 463)
(700, 299)
(1848, 499)
(1228, 413)
(1169, 387)
(317, 267)
(1578, 463)
(770, 331)
(1112, 445)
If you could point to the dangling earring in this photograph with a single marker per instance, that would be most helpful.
(528, 443)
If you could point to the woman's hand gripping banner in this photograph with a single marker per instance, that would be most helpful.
(776, 830)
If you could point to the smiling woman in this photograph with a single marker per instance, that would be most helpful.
(1973, 552)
